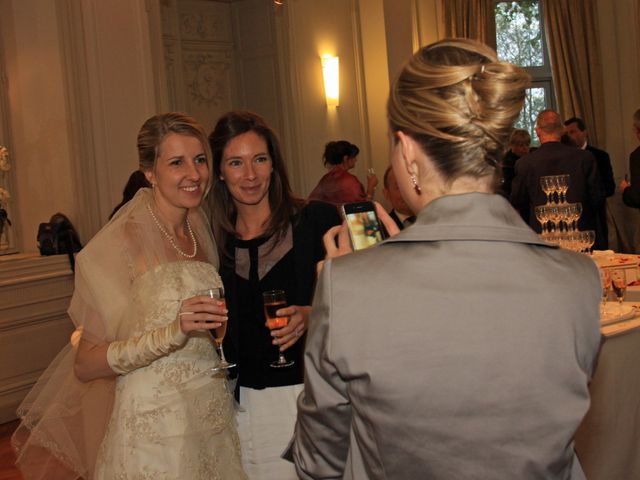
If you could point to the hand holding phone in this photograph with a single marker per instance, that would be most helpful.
(363, 224)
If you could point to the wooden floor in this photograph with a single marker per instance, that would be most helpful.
(7, 469)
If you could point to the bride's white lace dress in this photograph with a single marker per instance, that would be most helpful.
(172, 419)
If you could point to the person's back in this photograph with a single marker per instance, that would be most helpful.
(462, 347)
(555, 158)
(477, 374)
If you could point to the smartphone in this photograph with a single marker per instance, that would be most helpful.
(365, 228)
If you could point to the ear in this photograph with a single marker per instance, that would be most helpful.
(409, 151)
(149, 176)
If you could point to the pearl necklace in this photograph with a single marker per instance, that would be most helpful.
(170, 237)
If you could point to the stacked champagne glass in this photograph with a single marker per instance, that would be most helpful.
(559, 219)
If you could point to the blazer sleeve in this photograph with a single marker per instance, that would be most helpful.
(594, 184)
(631, 195)
(606, 174)
(321, 439)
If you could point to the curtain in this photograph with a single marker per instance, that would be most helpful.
(572, 40)
(473, 19)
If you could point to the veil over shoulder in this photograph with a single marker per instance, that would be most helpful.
(64, 420)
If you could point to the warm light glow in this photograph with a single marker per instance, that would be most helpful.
(331, 75)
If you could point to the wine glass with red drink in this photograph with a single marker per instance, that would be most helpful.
(274, 300)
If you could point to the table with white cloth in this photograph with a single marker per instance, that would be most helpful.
(608, 440)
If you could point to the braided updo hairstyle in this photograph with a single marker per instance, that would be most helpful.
(459, 103)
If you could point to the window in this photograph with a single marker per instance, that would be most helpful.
(520, 40)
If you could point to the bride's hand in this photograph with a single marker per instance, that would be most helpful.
(202, 313)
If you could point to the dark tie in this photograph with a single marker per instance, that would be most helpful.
(409, 220)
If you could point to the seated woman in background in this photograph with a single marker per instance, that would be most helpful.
(462, 347)
(269, 240)
(339, 186)
(143, 401)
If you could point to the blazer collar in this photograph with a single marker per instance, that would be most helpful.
(469, 216)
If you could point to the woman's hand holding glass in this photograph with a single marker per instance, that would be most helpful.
(202, 312)
(286, 336)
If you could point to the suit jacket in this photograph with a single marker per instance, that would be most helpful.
(604, 169)
(460, 348)
(609, 188)
(554, 158)
(631, 195)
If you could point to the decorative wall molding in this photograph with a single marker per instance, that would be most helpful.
(35, 293)
(7, 180)
(211, 25)
(80, 131)
(207, 77)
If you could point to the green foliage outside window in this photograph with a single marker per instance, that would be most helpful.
(519, 41)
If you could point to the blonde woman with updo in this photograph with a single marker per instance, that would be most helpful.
(462, 347)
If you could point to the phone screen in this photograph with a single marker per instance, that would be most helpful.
(364, 226)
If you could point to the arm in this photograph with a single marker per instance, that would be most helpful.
(595, 187)
(321, 439)
(631, 194)
(103, 360)
(606, 174)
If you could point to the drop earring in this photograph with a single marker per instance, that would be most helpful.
(416, 187)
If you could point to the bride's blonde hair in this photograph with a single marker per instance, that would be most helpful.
(459, 102)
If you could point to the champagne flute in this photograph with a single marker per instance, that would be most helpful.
(619, 284)
(218, 333)
(605, 281)
(548, 187)
(274, 300)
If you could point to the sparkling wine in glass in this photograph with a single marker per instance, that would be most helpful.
(274, 300)
(218, 333)
(619, 285)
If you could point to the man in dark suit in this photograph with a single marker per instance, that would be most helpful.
(576, 129)
(631, 191)
(555, 158)
(400, 212)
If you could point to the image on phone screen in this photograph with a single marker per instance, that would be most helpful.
(364, 227)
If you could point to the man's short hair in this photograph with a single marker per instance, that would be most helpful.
(385, 179)
(577, 120)
(549, 122)
(519, 135)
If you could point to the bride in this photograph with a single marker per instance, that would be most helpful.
(135, 397)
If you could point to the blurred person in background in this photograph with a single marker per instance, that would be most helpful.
(519, 145)
(339, 186)
(400, 212)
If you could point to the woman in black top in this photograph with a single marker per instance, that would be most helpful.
(269, 239)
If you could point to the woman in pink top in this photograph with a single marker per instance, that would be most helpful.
(339, 186)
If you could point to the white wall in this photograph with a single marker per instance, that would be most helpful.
(41, 153)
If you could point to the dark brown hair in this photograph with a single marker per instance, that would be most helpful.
(284, 204)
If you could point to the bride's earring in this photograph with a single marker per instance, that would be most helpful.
(416, 187)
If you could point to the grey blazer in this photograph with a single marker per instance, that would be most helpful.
(460, 348)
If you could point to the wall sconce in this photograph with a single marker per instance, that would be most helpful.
(331, 75)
